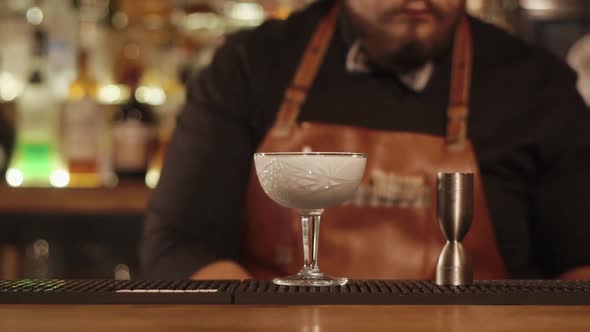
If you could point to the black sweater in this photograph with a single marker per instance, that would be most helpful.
(529, 127)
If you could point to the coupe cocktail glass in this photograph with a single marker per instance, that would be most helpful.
(310, 182)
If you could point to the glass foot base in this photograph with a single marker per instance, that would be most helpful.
(318, 279)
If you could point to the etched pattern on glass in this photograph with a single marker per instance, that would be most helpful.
(310, 182)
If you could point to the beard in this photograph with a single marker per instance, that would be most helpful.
(410, 54)
(399, 43)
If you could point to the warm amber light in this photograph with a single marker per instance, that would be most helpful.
(112, 94)
(151, 95)
(152, 177)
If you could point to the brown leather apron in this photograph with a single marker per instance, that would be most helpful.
(390, 229)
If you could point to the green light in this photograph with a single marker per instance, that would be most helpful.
(36, 160)
(34, 163)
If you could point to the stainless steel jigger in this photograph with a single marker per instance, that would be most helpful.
(454, 207)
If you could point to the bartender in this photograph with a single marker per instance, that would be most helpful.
(417, 85)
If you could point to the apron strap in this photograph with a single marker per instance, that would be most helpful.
(296, 93)
(458, 108)
(457, 111)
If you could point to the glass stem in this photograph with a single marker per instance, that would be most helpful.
(310, 227)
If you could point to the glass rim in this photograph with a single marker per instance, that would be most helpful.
(328, 154)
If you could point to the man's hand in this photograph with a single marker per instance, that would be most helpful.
(222, 270)
(579, 273)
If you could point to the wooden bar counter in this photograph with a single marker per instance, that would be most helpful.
(128, 197)
(170, 318)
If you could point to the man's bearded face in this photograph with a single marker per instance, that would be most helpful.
(404, 34)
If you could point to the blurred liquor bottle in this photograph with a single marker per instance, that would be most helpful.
(42, 260)
(36, 160)
(128, 63)
(82, 121)
(162, 87)
(6, 126)
(132, 129)
(15, 38)
(62, 24)
(6, 139)
(133, 135)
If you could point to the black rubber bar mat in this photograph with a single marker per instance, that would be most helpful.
(376, 292)
(114, 292)
(372, 292)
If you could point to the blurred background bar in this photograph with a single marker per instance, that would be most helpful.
(89, 91)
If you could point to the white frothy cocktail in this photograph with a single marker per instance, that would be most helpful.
(310, 182)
